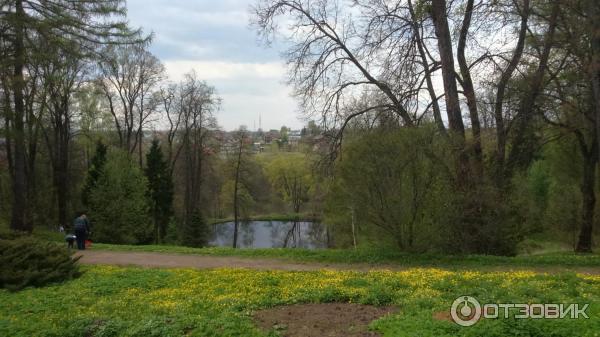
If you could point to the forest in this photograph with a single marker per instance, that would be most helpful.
(431, 126)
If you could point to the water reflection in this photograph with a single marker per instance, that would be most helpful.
(271, 234)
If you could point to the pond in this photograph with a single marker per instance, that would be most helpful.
(271, 234)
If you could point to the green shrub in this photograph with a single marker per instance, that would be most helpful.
(7, 234)
(29, 262)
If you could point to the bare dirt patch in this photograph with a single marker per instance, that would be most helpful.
(442, 316)
(322, 320)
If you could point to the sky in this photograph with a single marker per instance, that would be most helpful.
(213, 38)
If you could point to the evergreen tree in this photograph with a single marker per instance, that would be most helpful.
(94, 172)
(195, 234)
(160, 190)
(119, 204)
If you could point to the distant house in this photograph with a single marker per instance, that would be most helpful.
(258, 147)
(294, 137)
(271, 136)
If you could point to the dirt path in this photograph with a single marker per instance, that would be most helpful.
(166, 260)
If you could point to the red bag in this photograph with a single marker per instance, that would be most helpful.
(88, 243)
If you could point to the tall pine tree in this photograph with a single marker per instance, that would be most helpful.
(94, 172)
(160, 189)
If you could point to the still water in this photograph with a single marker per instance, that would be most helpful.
(271, 234)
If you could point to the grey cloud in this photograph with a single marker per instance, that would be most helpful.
(218, 31)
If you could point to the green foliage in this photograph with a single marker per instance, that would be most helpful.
(119, 203)
(8, 234)
(40, 233)
(547, 198)
(291, 176)
(481, 222)
(94, 172)
(253, 188)
(160, 189)
(246, 201)
(195, 234)
(530, 196)
(396, 183)
(26, 261)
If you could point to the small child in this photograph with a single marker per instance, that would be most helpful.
(70, 238)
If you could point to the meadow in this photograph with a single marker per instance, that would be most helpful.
(117, 301)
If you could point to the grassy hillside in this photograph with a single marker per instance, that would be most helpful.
(111, 301)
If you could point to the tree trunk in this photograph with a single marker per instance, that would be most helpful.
(500, 92)
(63, 172)
(19, 220)
(584, 244)
(457, 128)
(523, 146)
(594, 25)
(141, 128)
(437, 115)
(140, 150)
(447, 61)
(235, 192)
(469, 90)
(189, 178)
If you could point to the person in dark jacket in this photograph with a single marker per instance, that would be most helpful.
(82, 229)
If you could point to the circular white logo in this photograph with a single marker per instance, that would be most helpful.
(465, 311)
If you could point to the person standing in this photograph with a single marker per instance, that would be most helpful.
(82, 229)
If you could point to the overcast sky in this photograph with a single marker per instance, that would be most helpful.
(213, 37)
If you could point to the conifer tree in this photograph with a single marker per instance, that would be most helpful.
(94, 172)
(160, 190)
(195, 233)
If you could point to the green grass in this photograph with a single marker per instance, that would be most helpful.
(373, 256)
(41, 233)
(114, 301)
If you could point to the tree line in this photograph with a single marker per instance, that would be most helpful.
(453, 126)
(81, 93)
(489, 84)
(91, 122)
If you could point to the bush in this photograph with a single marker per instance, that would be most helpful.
(396, 185)
(29, 262)
(7, 234)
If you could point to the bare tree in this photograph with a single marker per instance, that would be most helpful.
(240, 144)
(394, 54)
(174, 117)
(129, 74)
(329, 65)
(196, 104)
